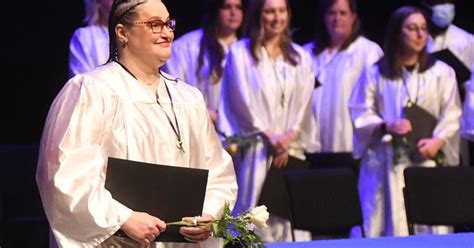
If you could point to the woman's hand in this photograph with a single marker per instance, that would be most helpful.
(198, 233)
(280, 160)
(285, 140)
(428, 148)
(143, 227)
(280, 143)
(400, 126)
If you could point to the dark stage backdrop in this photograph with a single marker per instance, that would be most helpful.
(35, 38)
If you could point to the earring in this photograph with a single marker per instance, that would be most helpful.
(124, 44)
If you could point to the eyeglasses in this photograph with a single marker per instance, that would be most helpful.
(157, 26)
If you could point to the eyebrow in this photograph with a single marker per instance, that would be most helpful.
(153, 18)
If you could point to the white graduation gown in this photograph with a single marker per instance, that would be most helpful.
(184, 63)
(467, 122)
(337, 72)
(108, 113)
(376, 99)
(250, 104)
(460, 42)
(88, 48)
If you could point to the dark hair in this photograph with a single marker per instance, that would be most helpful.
(322, 41)
(391, 64)
(124, 12)
(253, 31)
(209, 45)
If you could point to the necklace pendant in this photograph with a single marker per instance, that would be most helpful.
(409, 104)
(179, 144)
(282, 100)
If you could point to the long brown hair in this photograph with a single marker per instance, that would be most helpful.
(322, 40)
(209, 45)
(391, 64)
(255, 34)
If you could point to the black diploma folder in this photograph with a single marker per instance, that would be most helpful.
(423, 124)
(167, 192)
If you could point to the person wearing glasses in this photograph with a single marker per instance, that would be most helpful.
(198, 57)
(266, 94)
(128, 109)
(89, 46)
(338, 47)
(406, 80)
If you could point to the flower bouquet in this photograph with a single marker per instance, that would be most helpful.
(403, 148)
(235, 230)
(237, 144)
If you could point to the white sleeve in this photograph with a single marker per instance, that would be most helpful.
(304, 125)
(364, 115)
(71, 167)
(449, 120)
(467, 130)
(235, 112)
(222, 182)
(80, 59)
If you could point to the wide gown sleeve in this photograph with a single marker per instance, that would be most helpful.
(222, 183)
(467, 130)
(71, 167)
(236, 116)
(363, 110)
(449, 119)
(80, 59)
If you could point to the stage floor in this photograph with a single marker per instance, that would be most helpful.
(460, 240)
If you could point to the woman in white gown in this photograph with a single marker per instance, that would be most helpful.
(404, 78)
(127, 109)
(266, 91)
(89, 46)
(339, 55)
(198, 57)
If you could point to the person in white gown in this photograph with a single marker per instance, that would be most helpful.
(339, 55)
(128, 109)
(445, 35)
(266, 92)
(198, 57)
(467, 123)
(89, 46)
(406, 76)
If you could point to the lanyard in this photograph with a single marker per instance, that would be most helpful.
(179, 142)
(410, 102)
(281, 83)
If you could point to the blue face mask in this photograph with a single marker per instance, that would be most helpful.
(443, 14)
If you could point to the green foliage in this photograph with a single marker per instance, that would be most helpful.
(402, 148)
(235, 231)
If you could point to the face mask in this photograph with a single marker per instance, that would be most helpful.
(443, 14)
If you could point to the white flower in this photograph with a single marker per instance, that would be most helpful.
(387, 138)
(259, 216)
